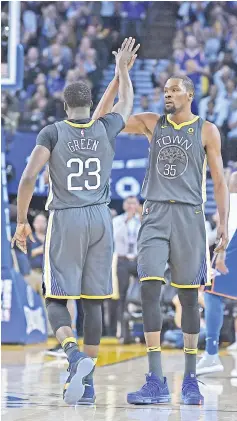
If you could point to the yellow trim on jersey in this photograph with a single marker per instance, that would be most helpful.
(153, 278)
(96, 297)
(47, 267)
(184, 286)
(204, 178)
(77, 297)
(185, 123)
(50, 195)
(208, 257)
(80, 125)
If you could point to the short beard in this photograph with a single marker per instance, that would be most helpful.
(170, 110)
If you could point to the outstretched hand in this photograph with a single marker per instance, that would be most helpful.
(126, 55)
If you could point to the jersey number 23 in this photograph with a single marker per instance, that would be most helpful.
(85, 167)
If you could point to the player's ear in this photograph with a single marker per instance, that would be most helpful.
(65, 106)
(91, 104)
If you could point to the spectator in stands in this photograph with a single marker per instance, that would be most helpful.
(48, 24)
(10, 111)
(211, 115)
(144, 105)
(157, 101)
(110, 13)
(58, 56)
(33, 66)
(126, 227)
(54, 110)
(29, 25)
(212, 45)
(55, 81)
(159, 79)
(193, 63)
(221, 78)
(67, 38)
(219, 113)
(133, 13)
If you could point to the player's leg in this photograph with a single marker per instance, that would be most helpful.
(66, 246)
(153, 252)
(92, 329)
(79, 363)
(189, 263)
(123, 283)
(96, 286)
(214, 315)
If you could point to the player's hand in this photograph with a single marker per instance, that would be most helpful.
(220, 263)
(23, 231)
(126, 55)
(222, 239)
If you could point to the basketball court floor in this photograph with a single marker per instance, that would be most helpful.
(32, 387)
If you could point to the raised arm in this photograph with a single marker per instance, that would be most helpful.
(212, 143)
(125, 91)
(107, 101)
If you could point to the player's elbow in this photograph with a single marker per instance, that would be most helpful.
(28, 178)
(220, 184)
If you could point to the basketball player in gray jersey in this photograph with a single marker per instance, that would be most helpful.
(173, 228)
(79, 240)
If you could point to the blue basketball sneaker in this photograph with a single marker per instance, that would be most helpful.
(79, 368)
(88, 397)
(190, 391)
(153, 391)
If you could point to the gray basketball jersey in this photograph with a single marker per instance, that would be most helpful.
(177, 163)
(81, 161)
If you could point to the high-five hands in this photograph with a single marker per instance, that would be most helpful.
(126, 55)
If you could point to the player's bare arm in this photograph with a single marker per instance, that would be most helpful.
(125, 91)
(212, 143)
(38, 159)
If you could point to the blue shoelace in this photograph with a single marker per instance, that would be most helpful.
(192, 385)
(151, 386)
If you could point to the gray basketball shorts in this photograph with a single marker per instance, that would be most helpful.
(175, 233)
(78, 253)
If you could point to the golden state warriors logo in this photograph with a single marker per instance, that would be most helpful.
(172, 158)
(190, 130)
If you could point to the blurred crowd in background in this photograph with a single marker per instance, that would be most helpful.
(70, 41)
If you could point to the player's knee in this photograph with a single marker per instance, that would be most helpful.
(150, 291)
(58, 313)
(188, 296)
(92, 310)
(190, 310)
(150, 294)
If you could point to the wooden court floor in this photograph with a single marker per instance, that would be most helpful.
(32, 387)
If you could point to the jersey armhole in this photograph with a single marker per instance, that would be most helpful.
(111, 143)
(54, 142)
